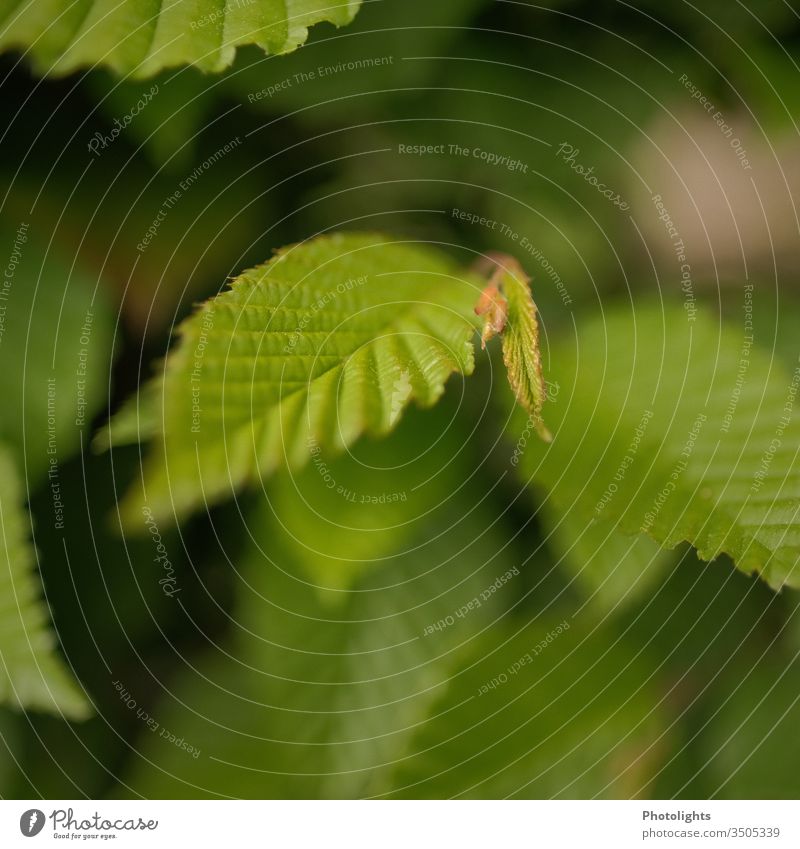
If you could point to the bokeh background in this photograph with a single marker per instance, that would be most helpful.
(315, 647)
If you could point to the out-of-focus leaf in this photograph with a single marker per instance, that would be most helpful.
(329, 340)
(719, 27)
(181, 232)
(309, 701)
(342, 517)
(749, 744)
(140, 37)
(544, 94)
(32, 675)
(679, 428)
(363, 67)
(701, 630)
(558, 709)
(612, 569)
(55, 353)
(9, 729)
(164, 114)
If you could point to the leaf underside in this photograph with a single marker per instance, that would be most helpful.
(666, 431)
(328, 341)
(32, 675)
(141, 37)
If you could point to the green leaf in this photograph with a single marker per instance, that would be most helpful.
(32, 675)
(375, 33)
(329, 340)
(521, 353)
(751, 744)
(55, 353)
(345, 517)
(140, 37)
(558, 709)
(164, 115)
(679, 428)
(305, 701)
(9, 736)
(611, 569)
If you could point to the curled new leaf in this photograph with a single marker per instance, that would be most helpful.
(494, 308)
(513, 314)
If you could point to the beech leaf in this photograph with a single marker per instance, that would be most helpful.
(330, 340)
(141, 37)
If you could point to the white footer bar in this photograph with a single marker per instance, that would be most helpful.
(402, 825)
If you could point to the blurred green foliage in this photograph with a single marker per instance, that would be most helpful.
(294, 660)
